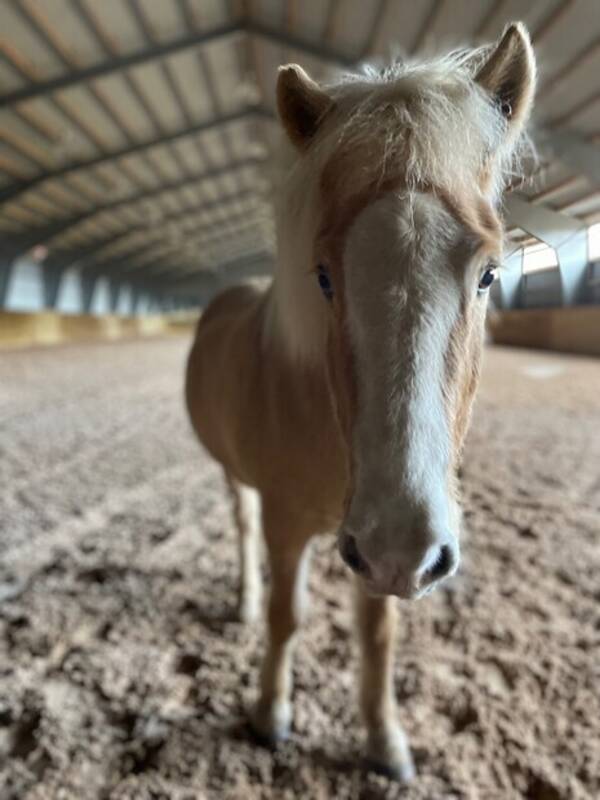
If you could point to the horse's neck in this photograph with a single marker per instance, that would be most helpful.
(298, 374)
(299, 422)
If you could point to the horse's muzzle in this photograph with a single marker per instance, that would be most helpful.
(394, 574)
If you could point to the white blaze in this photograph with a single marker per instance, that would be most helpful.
(402, 298)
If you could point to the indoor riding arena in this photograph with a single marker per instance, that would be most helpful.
(147, 148)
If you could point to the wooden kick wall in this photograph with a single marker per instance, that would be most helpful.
(22, 329)
(575, 329)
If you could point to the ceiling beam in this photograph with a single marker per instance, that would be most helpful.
(203, 245)
(83, 256)
(164, 49)
(109, 48)
(21, 245)
(15, 189)
(151, 245)
(34, 17)
(115, 64)
(260, 262)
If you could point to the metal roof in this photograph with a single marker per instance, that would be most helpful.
(135, 134)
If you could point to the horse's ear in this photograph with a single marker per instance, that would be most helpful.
(509, 74)
(301, 104)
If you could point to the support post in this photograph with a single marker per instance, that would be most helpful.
(135, 298)
(88, 284)
(52, 274)
(114, 290)
(7, 263)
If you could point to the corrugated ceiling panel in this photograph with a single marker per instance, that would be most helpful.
(14, 129)
(141, 170)
(458, 21)
(271, 12)
(240, 141)
(400, 26)
(163, 156)
(189, 154)
(116, 18)
(158, 95)
(352, 25)
(210, 190)
(228, 183)
(209, 13)
(225, 71)
(81, 102)
(165, 19)
(71, 142)
(42, 204)
(88, 189)
(80, 43)
(23, 166)
(20, 212)
(587, 120)
(269, 62)
(28, 44)
(191, 81)
(559, 97)
(574, 31)
(213, 146)
(10, 79)
(63, 198)
(310, 19)
(191, 194)
(127, 106)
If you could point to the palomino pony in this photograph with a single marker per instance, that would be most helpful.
(338, 398)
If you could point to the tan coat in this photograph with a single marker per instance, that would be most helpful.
(270, 424)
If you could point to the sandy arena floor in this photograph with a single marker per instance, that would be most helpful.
(123, 675)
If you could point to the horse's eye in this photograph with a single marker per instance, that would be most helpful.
(324, 281)
(487, 278)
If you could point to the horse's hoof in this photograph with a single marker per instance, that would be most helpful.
(402, 772)
(388, 754)
(271, 724)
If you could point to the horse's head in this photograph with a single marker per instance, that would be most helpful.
(389, 238)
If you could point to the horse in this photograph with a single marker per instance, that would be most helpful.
(337, 398)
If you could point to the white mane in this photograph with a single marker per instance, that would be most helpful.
(428, 121)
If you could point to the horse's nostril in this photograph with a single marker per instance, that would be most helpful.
(350, 554)
(442, 565)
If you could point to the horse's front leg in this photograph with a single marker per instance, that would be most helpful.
(246, 513)
(288, 557)
(387, 746)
